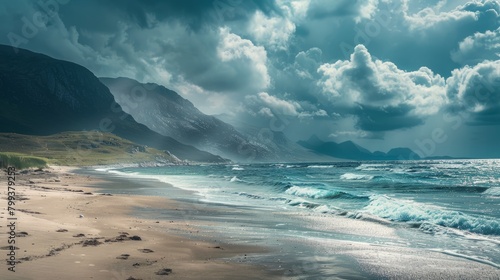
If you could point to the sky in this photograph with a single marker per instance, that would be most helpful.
(423, 74)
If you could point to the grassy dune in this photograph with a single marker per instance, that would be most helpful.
(20, 161)
(76, 149)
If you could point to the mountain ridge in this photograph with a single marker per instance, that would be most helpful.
(42, 96)
(168, 113)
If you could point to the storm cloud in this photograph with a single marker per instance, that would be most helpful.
(362, 69)
(382, 96)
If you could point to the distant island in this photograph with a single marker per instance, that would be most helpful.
(352, 151)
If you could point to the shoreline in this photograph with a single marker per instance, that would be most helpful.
(55, 243)
(190, 239)
(373, 248)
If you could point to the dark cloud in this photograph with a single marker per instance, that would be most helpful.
(432, 36)
(299, 77)
(160, 41)
(337, 9)
(194, 13)
(321, 9)
(474, 93)
(257, 59)
(381, 119)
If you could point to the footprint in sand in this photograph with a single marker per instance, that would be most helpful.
(145, 250)
(123, 256)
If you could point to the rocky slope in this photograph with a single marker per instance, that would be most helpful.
(167, 113)
(40, 95)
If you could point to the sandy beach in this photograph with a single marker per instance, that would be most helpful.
(66, 231)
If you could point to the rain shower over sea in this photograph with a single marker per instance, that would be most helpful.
(449, 207)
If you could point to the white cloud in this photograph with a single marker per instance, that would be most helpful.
(274, 32)
(373, 90)
(478, 47)
(295, 8)
(266, 112)
(307, 63)
(476, 91)
(233, 48)
(268, 105)
(367, 9)
(310, 115)
(349, 134)
(365, 80)
(281, 106)
(430, 17)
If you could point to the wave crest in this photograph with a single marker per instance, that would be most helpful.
(321, 166)
(353, 176)
(410, 211)
(320, 193)
(494, 191)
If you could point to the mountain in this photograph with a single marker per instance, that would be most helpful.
(167, 113)
(41, 95)
(350, 150)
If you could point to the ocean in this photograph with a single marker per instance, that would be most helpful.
(443, 207)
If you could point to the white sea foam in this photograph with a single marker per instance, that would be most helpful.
(103, 169)
(320, 166)
(494, 191)
(238, 168)
(301, 203)
(353, 176)
(307, 192)
(174, 180)
(411, 211)
(127, 174)
(452, 165)
(320, 193)
(235, 179)
(329, 209)
(373, 167)
(471, 258)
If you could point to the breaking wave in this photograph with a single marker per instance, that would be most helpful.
(410, 211)
(321, 166)
(353, 176)
(320, 193)
(494, 191)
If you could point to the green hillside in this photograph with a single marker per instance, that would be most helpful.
(78, 149)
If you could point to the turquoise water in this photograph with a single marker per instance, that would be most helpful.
(450, 206)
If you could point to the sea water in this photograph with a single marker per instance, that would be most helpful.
(447, 206)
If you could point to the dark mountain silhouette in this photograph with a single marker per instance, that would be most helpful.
(350, 150)
(41, 95)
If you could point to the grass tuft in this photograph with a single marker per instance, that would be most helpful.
(20, 161)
